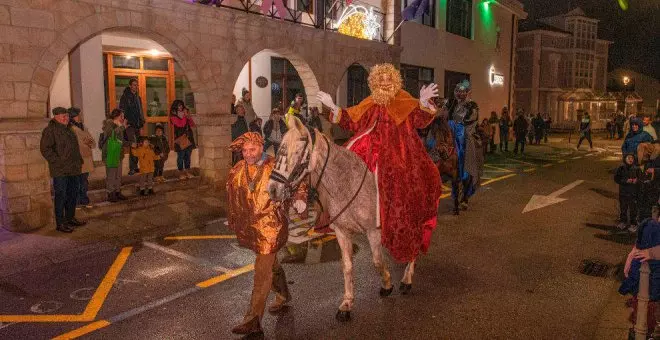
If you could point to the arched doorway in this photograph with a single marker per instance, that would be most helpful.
(352, 89)
(95, 74)
(274, 77)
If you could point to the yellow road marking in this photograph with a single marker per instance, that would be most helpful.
(228, 275)
(200, 237)
(106, 285)
(547, 165)
(561, 161)
(443, 196)
(94, 304)
(76, 333)
(521, 162)
(44, 318)
(529, 170)
(497, 168)
(318, 242)
(497, 179)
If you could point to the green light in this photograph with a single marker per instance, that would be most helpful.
(486, 5)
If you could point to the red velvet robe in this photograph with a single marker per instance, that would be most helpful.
(409, 184)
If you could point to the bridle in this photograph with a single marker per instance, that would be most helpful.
(292, 182)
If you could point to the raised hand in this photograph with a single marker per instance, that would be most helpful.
(326, 100)
(427, 93)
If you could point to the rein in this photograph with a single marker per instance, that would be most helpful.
(295, 178)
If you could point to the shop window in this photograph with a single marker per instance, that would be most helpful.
(285, 83)
(414, 77)
(358, 86)
(459, 17)
(451, 79)
(427, 19)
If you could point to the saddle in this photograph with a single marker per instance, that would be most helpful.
(442, 150)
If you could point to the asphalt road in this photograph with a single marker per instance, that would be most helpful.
(491, 273)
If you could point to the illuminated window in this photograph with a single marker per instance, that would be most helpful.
(459, 17)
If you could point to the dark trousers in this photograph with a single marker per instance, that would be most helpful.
(586, 135)
(83, 184)
(66, 197)
(521, 142)
(538, 135)
(647, 198)
(628, 209)
(619, 130)
(504, 141)
(546, 131)
(183, 159)
(159, 165)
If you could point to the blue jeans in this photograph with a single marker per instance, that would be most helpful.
(83, 184)
(183, 159)
(66, 197)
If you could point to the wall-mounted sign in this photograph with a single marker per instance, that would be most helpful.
(262, 82)
(495, 78)
(358, 21)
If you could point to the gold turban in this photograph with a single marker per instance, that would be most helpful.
(253, 137)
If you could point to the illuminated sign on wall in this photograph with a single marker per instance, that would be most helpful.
(358, 21)
(495, 79)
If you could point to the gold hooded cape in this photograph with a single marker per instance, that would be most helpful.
(258, 222)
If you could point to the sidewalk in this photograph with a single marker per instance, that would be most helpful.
(112, 225)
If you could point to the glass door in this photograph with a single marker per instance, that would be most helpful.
(156, 101)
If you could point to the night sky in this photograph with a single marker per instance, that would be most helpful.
(635, 33)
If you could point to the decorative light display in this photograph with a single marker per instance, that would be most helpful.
(358, 21)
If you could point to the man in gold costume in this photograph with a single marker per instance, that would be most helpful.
(260, 225)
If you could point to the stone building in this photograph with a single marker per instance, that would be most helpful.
(562, 68)
(458, 40)
(210, 46)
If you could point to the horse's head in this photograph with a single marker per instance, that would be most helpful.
(291, 161)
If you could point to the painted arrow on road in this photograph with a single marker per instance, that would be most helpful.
(541, 201)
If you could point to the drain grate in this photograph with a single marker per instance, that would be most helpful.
(593, 267)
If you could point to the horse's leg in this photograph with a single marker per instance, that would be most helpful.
(377, 252)
(406, 281)
(346, 245)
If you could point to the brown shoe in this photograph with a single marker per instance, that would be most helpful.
(251, 326)
(279, 304)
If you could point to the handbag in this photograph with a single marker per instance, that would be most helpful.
(183, 141)
(113, 151)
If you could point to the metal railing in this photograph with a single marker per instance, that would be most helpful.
(305, 12)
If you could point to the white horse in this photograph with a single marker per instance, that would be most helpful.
(346, 190)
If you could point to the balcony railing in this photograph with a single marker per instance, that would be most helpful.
(358, 19)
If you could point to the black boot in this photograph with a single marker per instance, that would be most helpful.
(120, 197)
(142, 193)
(150, 191)
(112, 197)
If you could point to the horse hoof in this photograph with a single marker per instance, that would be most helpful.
(386, 292)
(343, 316)
(405, 288)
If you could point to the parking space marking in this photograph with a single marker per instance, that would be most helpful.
(497, 179)
(199, 237)
(228, 275)
(519, 161)
(94, 304)
(547, 165)
(529, 170)
(497, 168)
(577, 157)
(561, 161)
(183, 256)
(76, 333)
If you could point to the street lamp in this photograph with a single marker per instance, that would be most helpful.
(626, 80)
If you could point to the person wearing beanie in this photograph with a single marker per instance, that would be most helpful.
(86, 144)
(59, 146)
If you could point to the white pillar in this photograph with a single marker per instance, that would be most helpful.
(87, 88)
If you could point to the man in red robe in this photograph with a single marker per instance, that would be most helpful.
(385, 137)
